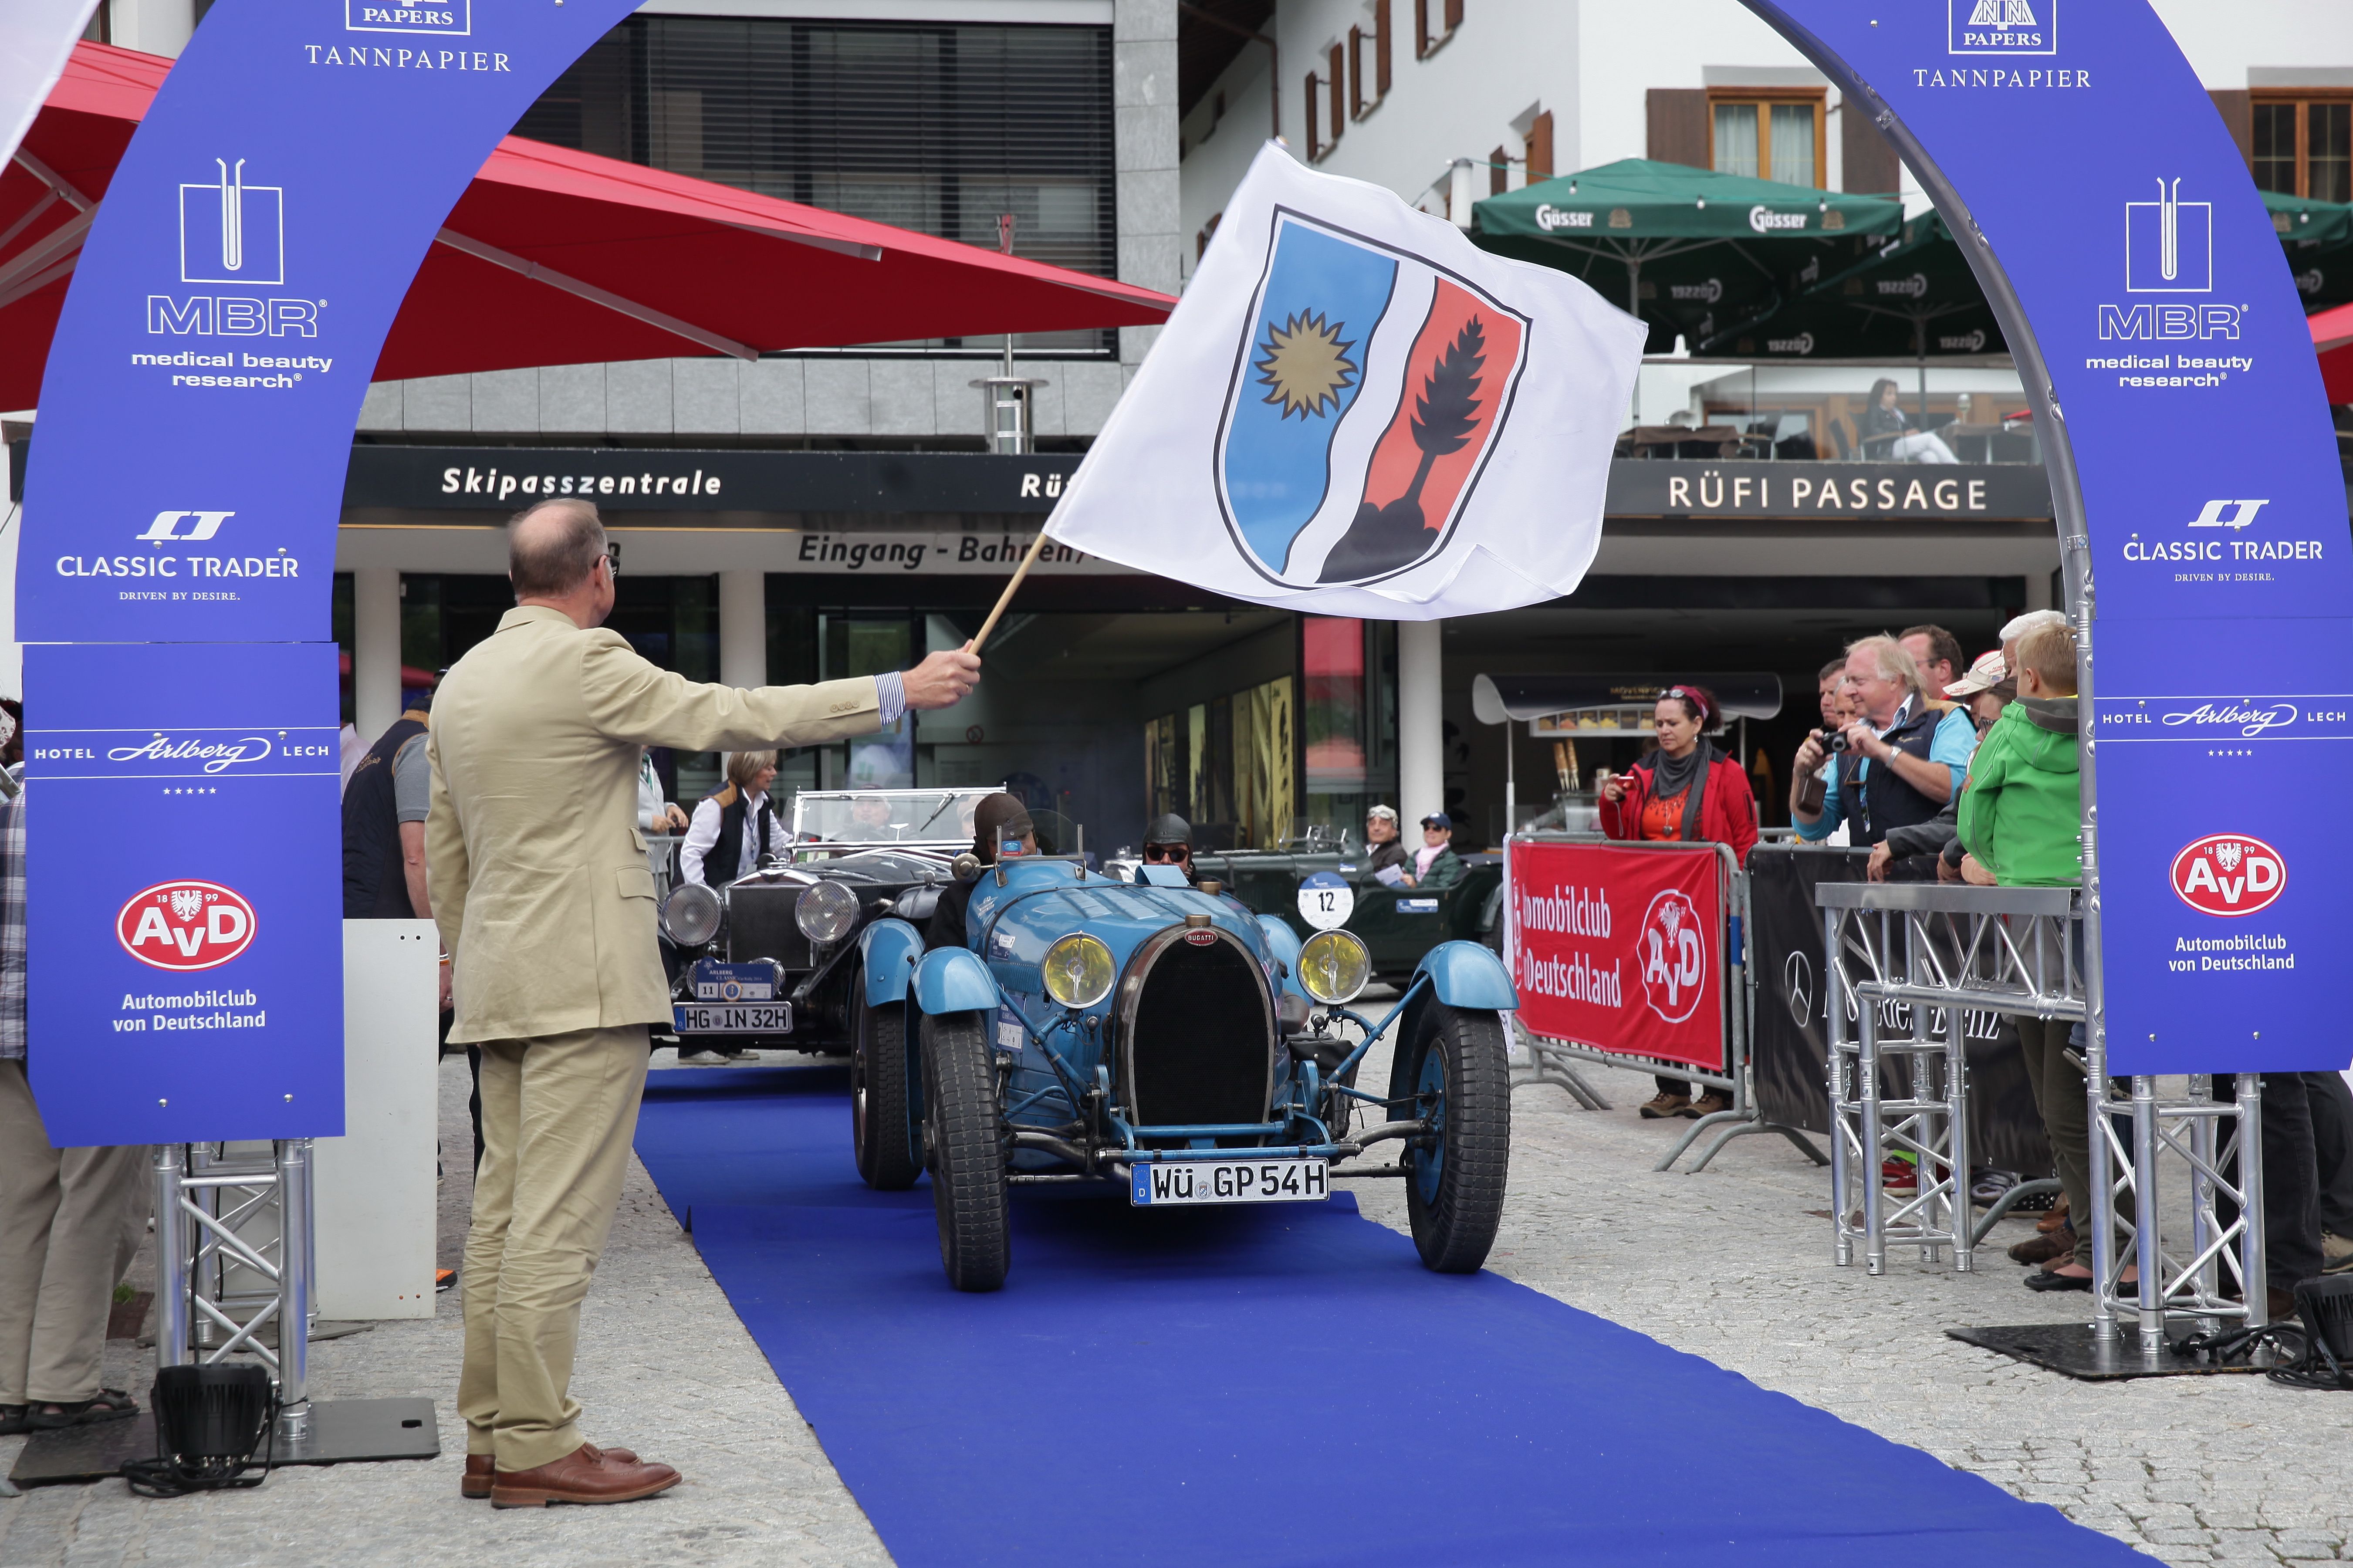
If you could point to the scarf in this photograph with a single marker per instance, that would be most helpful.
(1686, 776)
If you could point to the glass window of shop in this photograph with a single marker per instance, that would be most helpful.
(1349, 720)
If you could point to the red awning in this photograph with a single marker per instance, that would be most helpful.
(554, 257)
(2332, 339)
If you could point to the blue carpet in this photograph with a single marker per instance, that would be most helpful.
(1272, 1386)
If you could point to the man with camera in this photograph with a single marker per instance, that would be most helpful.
(1897, 763)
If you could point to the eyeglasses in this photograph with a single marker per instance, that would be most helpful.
(1160, 852)
(613, 559)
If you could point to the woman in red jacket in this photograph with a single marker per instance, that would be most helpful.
(1691, 791)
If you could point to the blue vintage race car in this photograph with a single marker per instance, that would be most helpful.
(1166, 1038)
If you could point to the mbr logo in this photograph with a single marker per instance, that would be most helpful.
(2170, 244)
(184, 925)
(2229, 874)
(207, 524)
(231, 232)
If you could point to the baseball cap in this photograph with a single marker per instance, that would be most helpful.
(1438, 819)
(1988, 672)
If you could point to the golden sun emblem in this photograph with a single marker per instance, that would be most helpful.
(1305, 365)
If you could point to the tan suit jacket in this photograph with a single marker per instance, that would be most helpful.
(536, 860)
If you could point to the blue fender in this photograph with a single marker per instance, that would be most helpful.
(1466, 976)
(1283, 942)
(955, 980)
(889, 949)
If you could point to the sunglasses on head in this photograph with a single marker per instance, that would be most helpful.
(1166, 851)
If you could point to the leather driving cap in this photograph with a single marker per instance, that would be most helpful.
(999, 816)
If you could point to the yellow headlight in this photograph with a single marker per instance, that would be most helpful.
(1333, 966)
(1078, 971)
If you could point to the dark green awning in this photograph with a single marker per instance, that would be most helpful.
(1691, 251)
(1915, 299)
(2319, 239)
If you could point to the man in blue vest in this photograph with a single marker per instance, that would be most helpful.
(1902, 759)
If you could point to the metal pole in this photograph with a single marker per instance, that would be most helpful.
(1957, 1139)
(1511, 825)
(2257, 1277)
(1866, 1067)
(1835, 1033)
(2100, 1177)
(171, 1258)
(293, 1287)
(2148, 1242)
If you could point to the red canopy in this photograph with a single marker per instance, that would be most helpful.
(554, 257)
(2332, 339)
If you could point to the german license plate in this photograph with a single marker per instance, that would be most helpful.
(732, 1018)
(1228, 1181)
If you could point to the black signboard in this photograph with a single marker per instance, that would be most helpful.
(1789, 1044)
(1838, 492)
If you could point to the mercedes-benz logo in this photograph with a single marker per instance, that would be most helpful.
(1798, 986)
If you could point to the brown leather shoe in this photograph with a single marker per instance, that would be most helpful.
(481, 1467)
(588, 1474)
(2042, 1248)
(1664, 1104)
(1707, 1104)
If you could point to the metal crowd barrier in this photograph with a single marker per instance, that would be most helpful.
(1917, 950)
(1550, 1057)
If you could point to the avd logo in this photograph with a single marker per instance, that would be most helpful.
(2002, 28)
(2229, 874)
(184, 925)
(231, 232)
(1673, 949)
(2170, 244)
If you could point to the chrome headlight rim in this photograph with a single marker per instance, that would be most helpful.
(1355, 961)
(825, 913)
(693, 915)
(1101, 974)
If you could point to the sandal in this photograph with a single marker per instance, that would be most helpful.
(107, 1404)
(12, 1419)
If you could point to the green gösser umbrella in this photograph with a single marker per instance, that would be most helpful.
(1914, 300)
(2319, 239)
(1691, 251)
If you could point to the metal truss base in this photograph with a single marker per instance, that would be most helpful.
(340, 1431)
(2073, 1350)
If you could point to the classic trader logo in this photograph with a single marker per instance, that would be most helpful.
(2170, 244)
(204, 524)
(441, 19)
(1673, 949)
(2242, 512)
(184, 925)
(2002, 28)
(2229, 874)
(231, 232)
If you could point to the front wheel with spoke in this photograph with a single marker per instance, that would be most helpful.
(1456, 1071)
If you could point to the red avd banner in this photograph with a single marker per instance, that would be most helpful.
(1621, 949)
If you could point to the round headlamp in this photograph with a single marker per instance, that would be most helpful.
(825, 913)
(1333, 966)
(690, 915)
(1078, 971)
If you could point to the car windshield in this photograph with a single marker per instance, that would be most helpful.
(930, 816)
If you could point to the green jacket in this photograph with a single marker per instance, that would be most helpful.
(1444, 871)
(2022, 811)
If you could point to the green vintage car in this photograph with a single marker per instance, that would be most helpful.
(1398, 924)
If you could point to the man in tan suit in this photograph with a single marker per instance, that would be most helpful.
(540, 885)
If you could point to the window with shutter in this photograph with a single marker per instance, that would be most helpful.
(1539, 140)
(937, 127)
(2301, 144)
(1427, 40)
(1776, 134)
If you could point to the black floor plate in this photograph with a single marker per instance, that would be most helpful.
(2071, 1349)
(341, 1430)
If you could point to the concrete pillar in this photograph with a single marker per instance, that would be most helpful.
(1421, 739)
(744, 627)
(375, 650)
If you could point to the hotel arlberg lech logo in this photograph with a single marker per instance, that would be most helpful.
(2001, 26)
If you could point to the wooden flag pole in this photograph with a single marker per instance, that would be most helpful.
(1005, 598)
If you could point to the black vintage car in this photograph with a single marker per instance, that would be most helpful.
(1398, 924)
(770, 961)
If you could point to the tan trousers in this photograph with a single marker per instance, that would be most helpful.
(70, 1220)
(558, 1113)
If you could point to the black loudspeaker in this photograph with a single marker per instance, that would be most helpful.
(208, 1422)
(2325, 1303)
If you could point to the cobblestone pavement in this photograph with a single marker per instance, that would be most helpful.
(1729, 1265)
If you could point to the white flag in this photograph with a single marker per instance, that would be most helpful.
(35, 38)
(1355, 411)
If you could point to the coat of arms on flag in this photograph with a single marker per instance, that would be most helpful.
(1367, 392)
(1356, 411)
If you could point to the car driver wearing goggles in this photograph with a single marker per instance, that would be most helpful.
(1169, 842)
